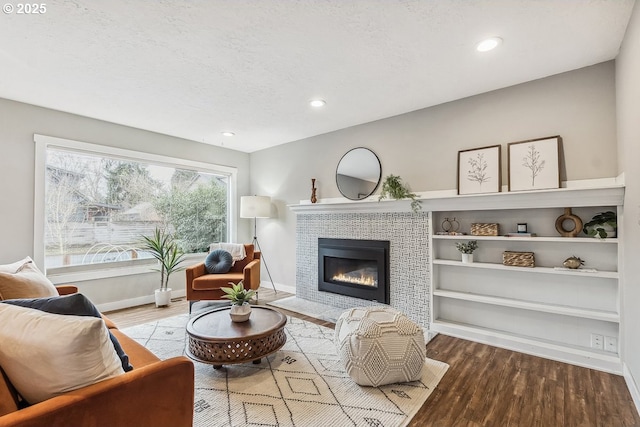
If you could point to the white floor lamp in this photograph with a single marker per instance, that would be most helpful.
(257, 207)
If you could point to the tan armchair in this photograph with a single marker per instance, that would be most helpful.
(204, 286)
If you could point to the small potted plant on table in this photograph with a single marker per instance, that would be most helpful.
(467, 248)
(239, 296)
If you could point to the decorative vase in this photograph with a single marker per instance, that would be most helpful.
(467, 258)
(314, 198)
(240, 313)
(163, 297)
(570, 217)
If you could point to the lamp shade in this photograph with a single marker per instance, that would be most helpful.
(255, 207)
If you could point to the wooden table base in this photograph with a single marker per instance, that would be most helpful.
(214, 339)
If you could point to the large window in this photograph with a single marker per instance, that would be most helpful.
(98, 202)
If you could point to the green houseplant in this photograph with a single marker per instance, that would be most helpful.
(393, 187)
(467, 248)
(163, 247)
(602, 225)
(239, 296)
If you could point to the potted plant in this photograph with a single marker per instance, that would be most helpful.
(602, 225)
(163, 247)
(239, 296)
(467, 248)
(393, 187)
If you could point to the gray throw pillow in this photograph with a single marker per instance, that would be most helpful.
(218, 261)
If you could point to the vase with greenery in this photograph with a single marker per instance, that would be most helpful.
(240, 297)
(602, 225)
(163, 247)
(467, 248)
(393, 187)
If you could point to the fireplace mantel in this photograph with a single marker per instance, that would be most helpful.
(596, 192)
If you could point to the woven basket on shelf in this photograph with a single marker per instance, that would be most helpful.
(518, 259)
(479, 229)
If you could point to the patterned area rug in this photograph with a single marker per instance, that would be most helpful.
(301, 385)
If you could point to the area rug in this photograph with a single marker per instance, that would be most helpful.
(301, 385)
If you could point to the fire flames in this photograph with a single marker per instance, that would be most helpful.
(363, 279)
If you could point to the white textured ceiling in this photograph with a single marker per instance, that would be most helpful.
(196, 68)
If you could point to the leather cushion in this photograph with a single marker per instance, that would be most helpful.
(74, 304)
(210, 282)
(218, 261)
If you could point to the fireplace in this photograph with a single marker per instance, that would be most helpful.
(356, 268)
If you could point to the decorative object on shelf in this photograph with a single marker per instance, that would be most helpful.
(521, 227)
(314, 198)
(573, 262)
(450, 225)
(480, 170)
(393, 187)
(534, 164)
(358, 173)
(239, 296)
(467, 248)
(518, 259)
(163, 247)
(566, 217)
(479, 229)
(602, 225)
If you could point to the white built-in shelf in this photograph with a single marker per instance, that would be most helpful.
(587, 313)
(543, 270)
(596, 192)
(539, 239)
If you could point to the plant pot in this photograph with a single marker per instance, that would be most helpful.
(240, 313)
(611, 232)
(163, 297)
(467, 258)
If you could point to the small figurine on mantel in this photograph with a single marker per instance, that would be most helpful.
(314, 197)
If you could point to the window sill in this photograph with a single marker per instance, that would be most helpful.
(82, 273)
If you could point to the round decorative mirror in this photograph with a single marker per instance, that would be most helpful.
(358, 173)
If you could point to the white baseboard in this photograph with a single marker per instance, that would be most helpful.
(148, 299)
(632, 386)
(265, 284)
(134, 302)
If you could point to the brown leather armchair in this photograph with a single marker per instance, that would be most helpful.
(204, 286)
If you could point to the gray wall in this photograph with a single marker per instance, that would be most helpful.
(18, 123)
(628, 110)
(422, 146)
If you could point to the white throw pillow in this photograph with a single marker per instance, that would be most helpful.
(25, 282)
(45, 354)
(14, 267)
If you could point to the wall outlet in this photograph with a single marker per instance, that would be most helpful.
(597, 341)
(611, 344)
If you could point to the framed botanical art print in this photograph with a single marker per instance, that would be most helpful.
(534, 164)
(479, 170)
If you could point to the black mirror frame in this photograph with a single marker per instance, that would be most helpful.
(379, 173)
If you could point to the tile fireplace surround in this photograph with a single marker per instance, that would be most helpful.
(408, 234)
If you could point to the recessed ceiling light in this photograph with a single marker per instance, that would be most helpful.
(488, 44)
(228, 134)
(317, 102)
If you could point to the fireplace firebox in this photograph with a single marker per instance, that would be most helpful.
(355, 268)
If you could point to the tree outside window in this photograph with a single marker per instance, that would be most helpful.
(97, 208)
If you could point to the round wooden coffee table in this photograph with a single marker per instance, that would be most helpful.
(215, 339)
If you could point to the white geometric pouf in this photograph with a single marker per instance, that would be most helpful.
(379, 345)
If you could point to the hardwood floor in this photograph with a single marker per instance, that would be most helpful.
(485, 385)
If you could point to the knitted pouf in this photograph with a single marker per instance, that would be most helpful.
(379, 345)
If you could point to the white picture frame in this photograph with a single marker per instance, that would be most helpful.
(534, 164)
(480, 170)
